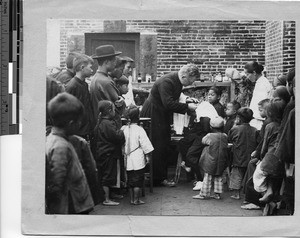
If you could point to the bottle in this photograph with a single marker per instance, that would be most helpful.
(219, 77)
(139, 78)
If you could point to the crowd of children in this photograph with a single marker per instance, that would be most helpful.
(88, 149)
(84, 152)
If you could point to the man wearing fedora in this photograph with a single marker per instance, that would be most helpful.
(102, 85)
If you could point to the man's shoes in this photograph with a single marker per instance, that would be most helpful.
(198, 186)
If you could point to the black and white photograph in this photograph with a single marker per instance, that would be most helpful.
(155, 120)
(179, 117)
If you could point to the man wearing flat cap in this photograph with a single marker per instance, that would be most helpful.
(102, 85)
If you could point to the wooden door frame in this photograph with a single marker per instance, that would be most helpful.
(124, 36)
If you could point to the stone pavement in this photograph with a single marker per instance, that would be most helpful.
(165, 201)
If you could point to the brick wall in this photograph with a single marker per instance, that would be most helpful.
(72, 35)
(289, 42)
(280, 47)
(274, 48)
(212, 45)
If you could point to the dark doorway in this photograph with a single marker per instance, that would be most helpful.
(127, 43)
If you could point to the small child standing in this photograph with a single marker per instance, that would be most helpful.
(136, 150)
(109, 139)
(67, 189)
(231, 111)
(244, 139)
(214, 95)
(213, 159)
(262, 105)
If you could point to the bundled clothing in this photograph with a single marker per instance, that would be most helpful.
(213, 161)
(160, 106)
(66, 182)
(109, 140)
(137, 145)
(244, 138)
(79, 89)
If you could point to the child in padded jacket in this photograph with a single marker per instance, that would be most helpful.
(213, 159)
(67, 189)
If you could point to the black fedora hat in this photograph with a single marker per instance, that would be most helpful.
(104, 51)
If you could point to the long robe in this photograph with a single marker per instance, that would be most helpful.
(160, 106)
(79, 89)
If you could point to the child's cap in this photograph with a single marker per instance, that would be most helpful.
(245, 113)
(122, 80)
(216, 122)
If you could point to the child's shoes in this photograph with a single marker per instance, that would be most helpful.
(198, 186)
(198, 196)
(235, 196)
(110, 203)
(216, 196)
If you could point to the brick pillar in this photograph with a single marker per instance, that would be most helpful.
(280, 47)
(289, 42)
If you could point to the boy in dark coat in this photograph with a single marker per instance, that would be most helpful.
(79, 88)
(67, 190)
(244, 139)
(67, 74)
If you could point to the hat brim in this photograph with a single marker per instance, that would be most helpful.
(105, 56)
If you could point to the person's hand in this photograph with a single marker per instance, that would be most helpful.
(120, 102)
(254, 154)
(254, 161)
(192, 106)
(192, 100)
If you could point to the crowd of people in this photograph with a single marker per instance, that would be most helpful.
(95, 145)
